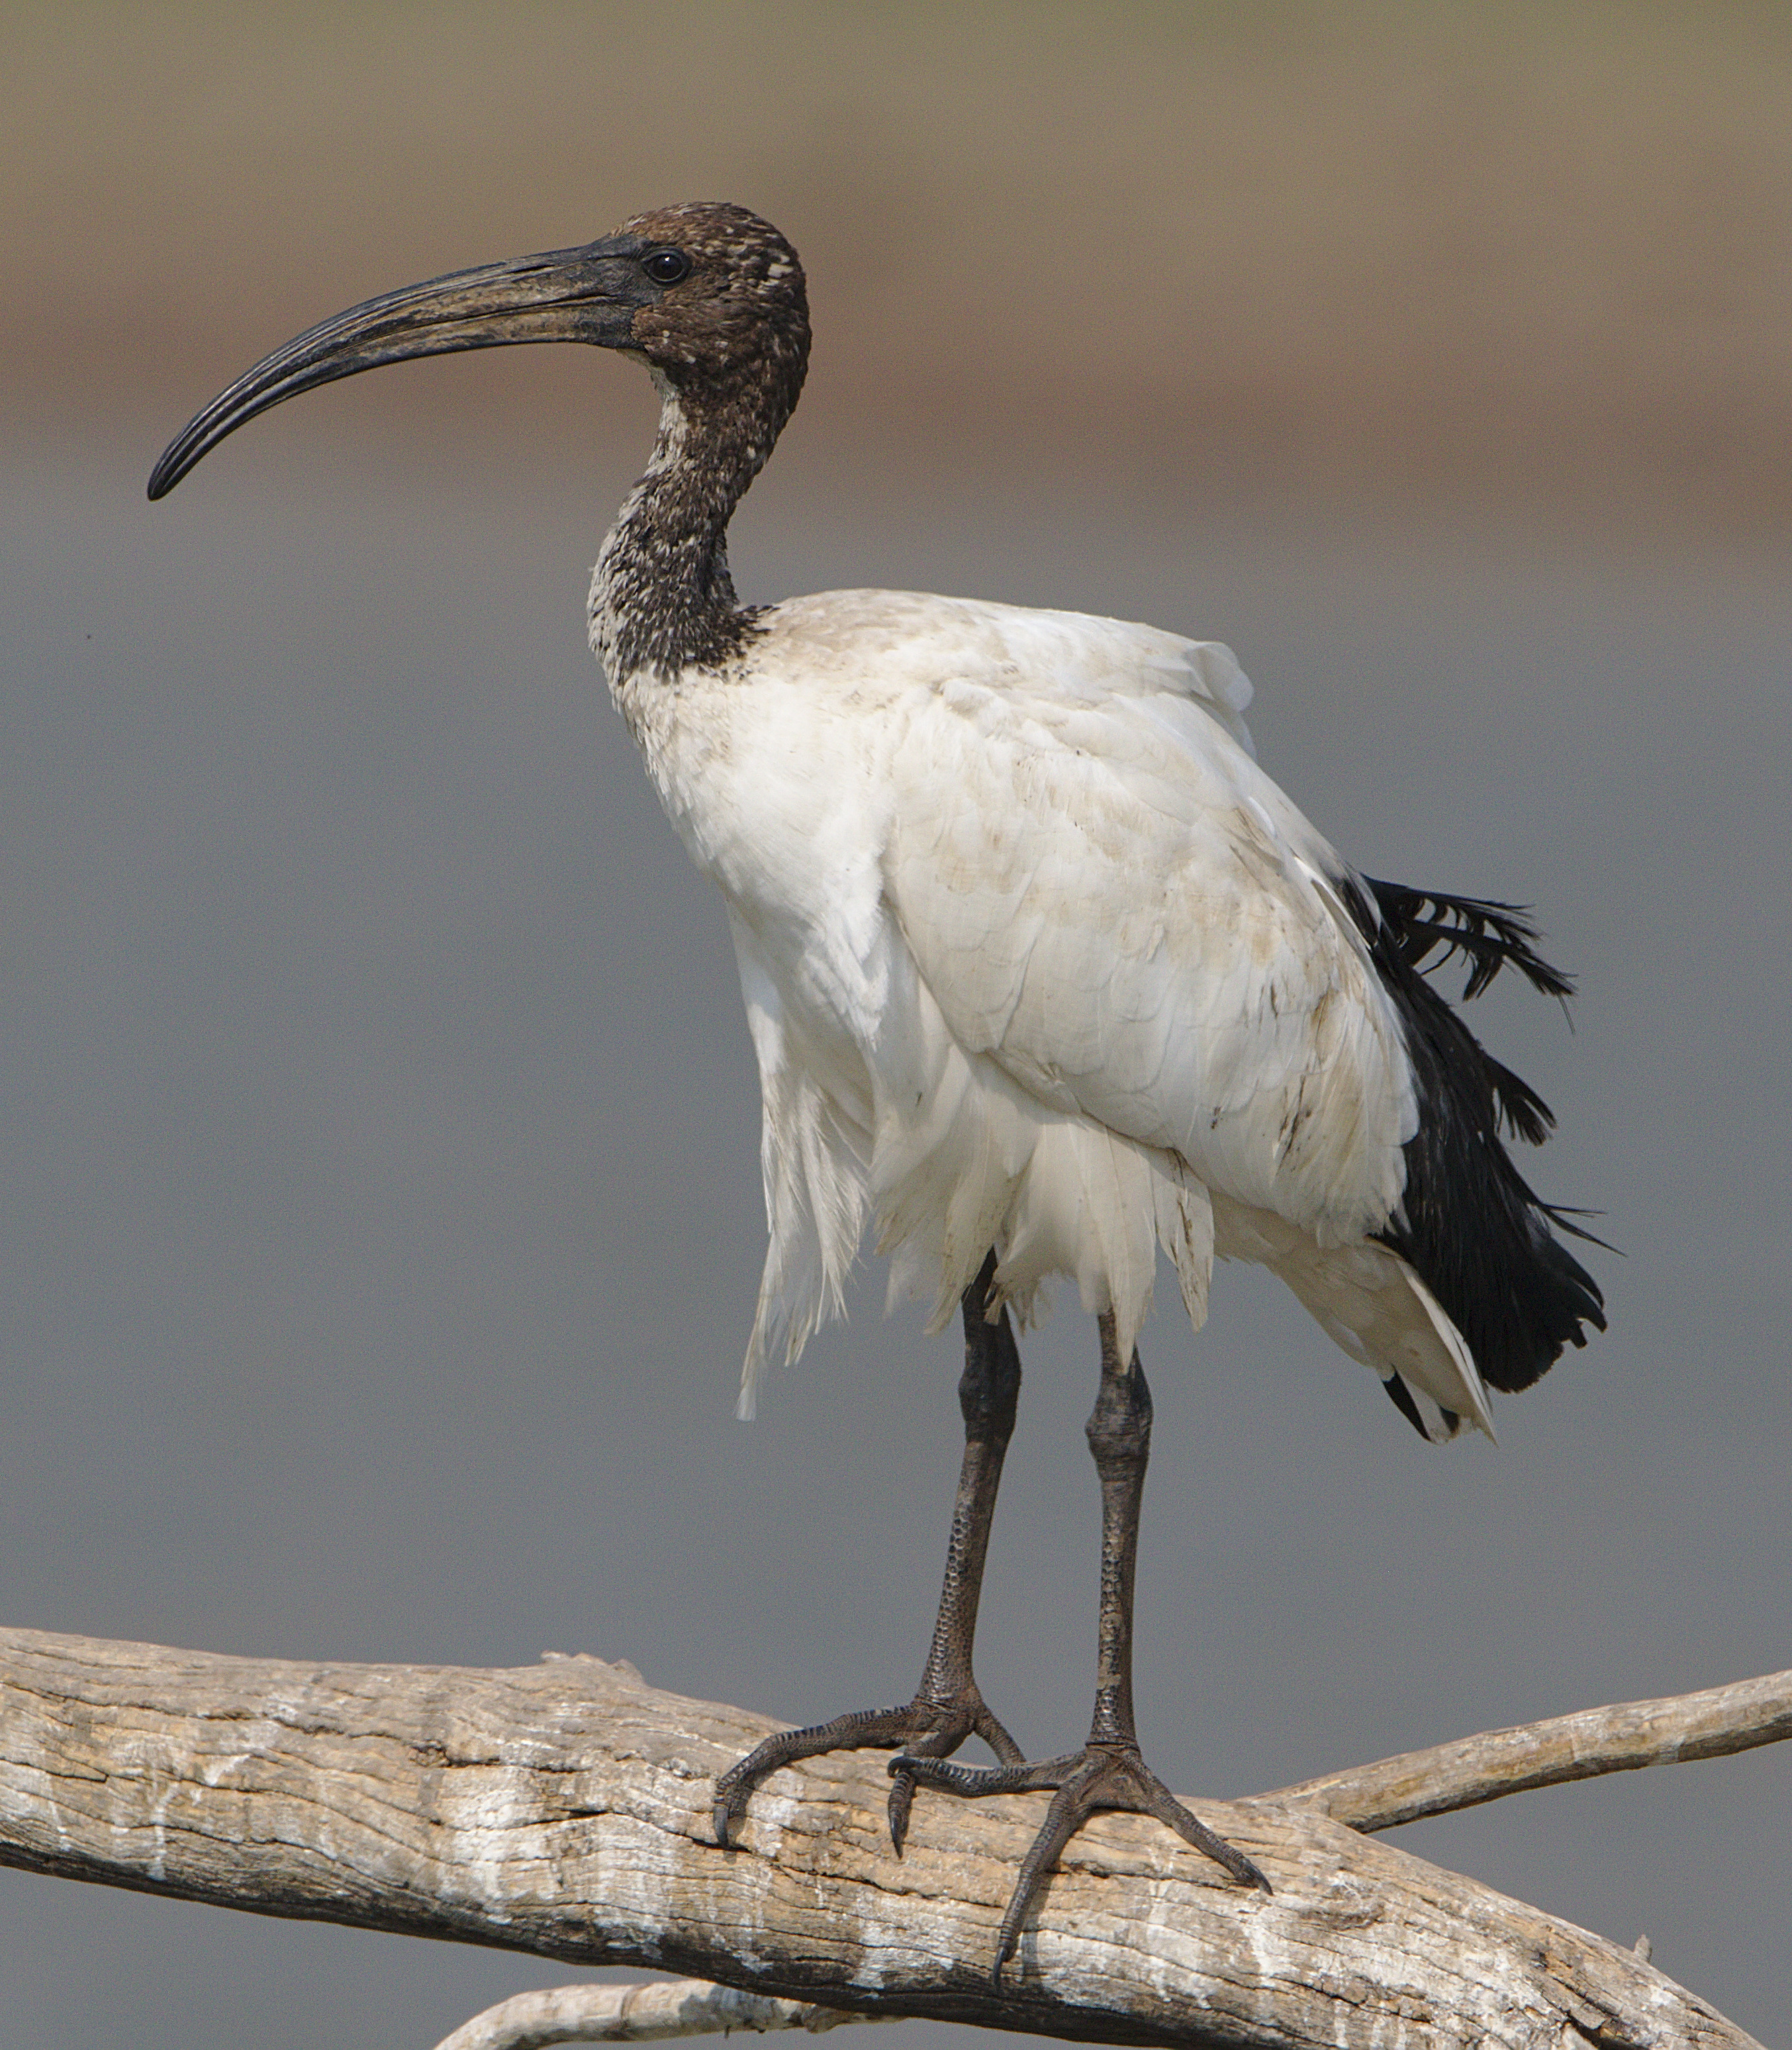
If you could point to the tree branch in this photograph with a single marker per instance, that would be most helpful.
(563, 1809)
(650, 2014)
(1623, 1738)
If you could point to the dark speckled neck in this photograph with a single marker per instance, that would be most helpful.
(662, 596)
(729, 371)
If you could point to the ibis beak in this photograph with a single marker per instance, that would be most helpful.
(589, 294)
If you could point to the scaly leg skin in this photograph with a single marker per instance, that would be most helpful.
(1109, 1772)
(947, 1707)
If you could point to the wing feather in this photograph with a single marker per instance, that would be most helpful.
(1109, 900)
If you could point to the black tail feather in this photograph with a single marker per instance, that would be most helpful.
(1488, 934)
(1527, 1116)
(1476, 1233)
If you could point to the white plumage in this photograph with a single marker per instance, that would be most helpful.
(1036, 957)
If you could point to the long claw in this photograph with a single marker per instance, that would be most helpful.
(901, 1800)
(1100, 1776)
(866, 1729)
(902, 1782)
(930, 1729)
(1064, 1818)
(921, 1765)
(974, 1783)
(1192, 1830)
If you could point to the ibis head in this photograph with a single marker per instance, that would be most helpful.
(708, 295)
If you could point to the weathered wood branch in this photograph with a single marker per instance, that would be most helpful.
(653, 2012)
(1674, 1730)
(563, 1809)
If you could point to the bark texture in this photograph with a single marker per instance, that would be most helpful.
(653, 2012)
(564, 1809)
(1676, 1730)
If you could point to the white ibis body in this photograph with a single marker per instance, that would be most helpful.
(1043, 973)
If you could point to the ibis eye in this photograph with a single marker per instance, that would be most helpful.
(666, 266)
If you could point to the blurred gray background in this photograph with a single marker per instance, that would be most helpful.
(382, 1206)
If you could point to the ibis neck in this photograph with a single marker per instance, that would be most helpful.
(661, 596)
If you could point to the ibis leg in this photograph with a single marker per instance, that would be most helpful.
(1109, 1772)
(948, 1706)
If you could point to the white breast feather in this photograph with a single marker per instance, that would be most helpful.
(1035, 956)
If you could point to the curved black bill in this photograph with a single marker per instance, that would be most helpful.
(589, 294)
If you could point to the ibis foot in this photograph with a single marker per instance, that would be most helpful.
(1099, 1776)
(947, 1707)
(924, 1730)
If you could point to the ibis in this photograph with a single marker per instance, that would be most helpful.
(1043, 974)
